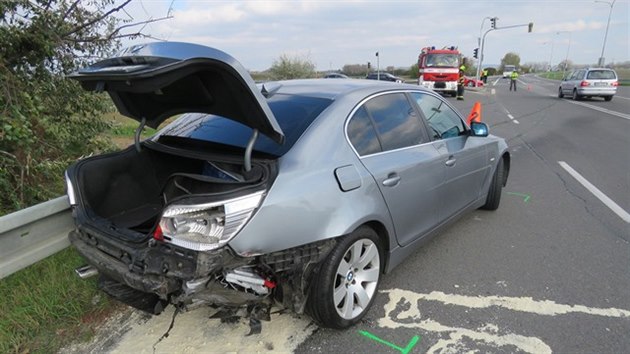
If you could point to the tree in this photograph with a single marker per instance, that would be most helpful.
(413, 70)
(47, 121)
(565, 65)
(471, 67)
(510, 59)
(287, 68)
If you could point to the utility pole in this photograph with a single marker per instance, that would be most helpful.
(551, 55)
(611, 4)
(378, 68)
(566, 59)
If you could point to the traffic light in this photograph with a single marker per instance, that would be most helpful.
(476, 53)
(369, 65)
(493, 22)
(530, 27)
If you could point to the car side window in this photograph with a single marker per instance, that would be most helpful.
(576, 75)
(580, 75)
(362, 134)
(396, 121)
(443, 121)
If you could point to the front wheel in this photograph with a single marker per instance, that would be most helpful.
(560, 94)
(345, 286)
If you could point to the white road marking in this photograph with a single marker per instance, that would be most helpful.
(515, 121)
(625, 98)
(604, 110)
(510, 116)
(493, 92)
(496, 81)
(403, 311)
(596, 192)
(521, 304)
(488, 334)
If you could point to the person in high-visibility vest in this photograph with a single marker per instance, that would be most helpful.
(513, 77)
(484, 76)
(460, 85)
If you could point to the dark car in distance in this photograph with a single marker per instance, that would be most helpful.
(383, 77)
(335, 76)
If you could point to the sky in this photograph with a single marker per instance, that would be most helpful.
(332, 33)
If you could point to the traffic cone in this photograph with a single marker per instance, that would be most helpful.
(475, 113)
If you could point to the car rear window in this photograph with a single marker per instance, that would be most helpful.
(293, 113)
(601, 75)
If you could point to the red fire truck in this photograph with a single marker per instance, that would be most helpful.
(438, 69)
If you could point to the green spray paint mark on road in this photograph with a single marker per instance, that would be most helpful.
(524, 196)
(404, 350)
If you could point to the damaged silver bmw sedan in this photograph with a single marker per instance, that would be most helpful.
(294, 193)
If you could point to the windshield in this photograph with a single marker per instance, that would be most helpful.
(293, 113)
(509, 68)
(442, 60)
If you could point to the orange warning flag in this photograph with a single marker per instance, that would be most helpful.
(475, 113)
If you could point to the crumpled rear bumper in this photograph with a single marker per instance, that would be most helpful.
(170, 274)
(119, 271)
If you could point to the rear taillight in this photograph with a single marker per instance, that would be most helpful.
(615, 83)
(158, 234)
(203, 227)
(584, 83)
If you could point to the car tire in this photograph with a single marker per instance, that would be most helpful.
(494, 193)
(352, 271)
(560, 94)
(471, 84)
(454, 94)
(608, 98)
(576, 96)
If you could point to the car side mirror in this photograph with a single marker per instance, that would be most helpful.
(479, 129)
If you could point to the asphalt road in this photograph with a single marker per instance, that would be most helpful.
(549, 271)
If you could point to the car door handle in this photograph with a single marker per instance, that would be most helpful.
(392, 180)
(451, 161)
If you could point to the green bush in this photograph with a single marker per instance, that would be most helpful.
(46, 120)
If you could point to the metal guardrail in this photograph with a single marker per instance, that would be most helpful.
(32, 234)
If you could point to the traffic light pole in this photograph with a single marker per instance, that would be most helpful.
(483, 42)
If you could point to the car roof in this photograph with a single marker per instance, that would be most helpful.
(333, 89)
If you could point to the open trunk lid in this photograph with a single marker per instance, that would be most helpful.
(154, 81)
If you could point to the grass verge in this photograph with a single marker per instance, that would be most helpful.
(46, 306)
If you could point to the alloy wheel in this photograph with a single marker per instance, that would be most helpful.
(356, 279)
